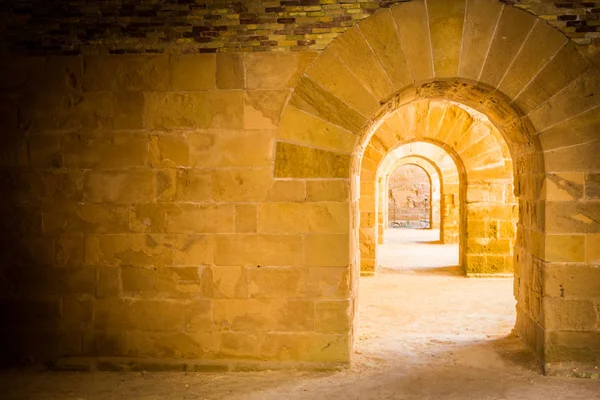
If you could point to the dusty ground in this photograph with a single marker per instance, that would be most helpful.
(425, 332)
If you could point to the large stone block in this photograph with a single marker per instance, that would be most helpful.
(230, 71)
(193, 72)
(145, 315)
(569, 315)
(241, 185)
(332, 75)
(105, 150)
(300, 127)
(276, 70)
(277, 282)
(86, 218)
(126, 73)
(353, 50)
(480, 21)
(571, 280)
(169, 150)
(541, 46)
(160, 282)
(511, 31)
(193, 249)
(202, 110)
(128, 110)
(263, 250)
(382, 36)
(327, 250)
(293, 161)
(565, 248)
(263, 315)
(333, 316)
(303, 218)
(227, 148)
(246, 218)
(193, 185)
(328, 282)
(572, 217)
(312, 98)
(197, 218)
(170, 345)
(135, 185)
(262, 108)
(66, 111)
(224, 282)
(446, 20)
(413, 27)
(327, 190)
(128, 249)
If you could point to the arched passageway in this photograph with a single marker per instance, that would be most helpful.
(409, 198)
(531, 94)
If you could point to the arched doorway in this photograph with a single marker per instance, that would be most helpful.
(421, 51)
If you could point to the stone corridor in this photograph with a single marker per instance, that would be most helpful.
(425, 332)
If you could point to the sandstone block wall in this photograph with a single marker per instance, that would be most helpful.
(409, 198)
(238, 176)
(141, 217)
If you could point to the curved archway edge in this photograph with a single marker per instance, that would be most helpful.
(534, 95)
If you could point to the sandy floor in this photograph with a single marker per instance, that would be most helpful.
(425, 332)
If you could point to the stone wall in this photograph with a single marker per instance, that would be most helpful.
(206, 206)
(141, 218)
(145, 26)
(409, 198)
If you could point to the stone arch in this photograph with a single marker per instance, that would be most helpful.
(535, 88)
(435, 179)
(422, 187)
(480, 208)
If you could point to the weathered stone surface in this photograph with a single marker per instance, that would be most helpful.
(193, 72)
(541, 45)
(224, 282)
(119, 186)
(331, 74)
(241, 185)
(263, 250)
(580, 129)
(246, 218)
(198, 218)
(327, 250)
(131, 250)
(446, 20)
(202, 110)
(565, 248)
(276, 70)
(310, 97)
(299, 218)
(329, 190)
(353, 50)
(300, 127)
(230, 71)
(381, 34)
(226, 148)
(193, 250)
(128, 110)
(262, 108)
(292, 161)
(480, 21)
(567, 65)
(332, 316)
(86, 218)
(126, 73)
(413, 28)
(105, 150)
(513, 27)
